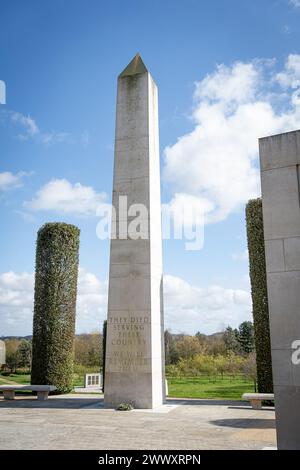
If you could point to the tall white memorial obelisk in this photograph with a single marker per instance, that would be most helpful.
(135, 348)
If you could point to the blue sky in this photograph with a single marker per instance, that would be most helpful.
(228, 72)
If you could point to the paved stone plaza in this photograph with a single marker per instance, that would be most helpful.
(83, 422)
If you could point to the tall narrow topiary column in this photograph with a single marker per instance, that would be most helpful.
(104, 353)
(257, 262)
(54, 305)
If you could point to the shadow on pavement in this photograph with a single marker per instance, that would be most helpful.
(204, 401)
(96, 402)
(61, 403)
(246, 406)
(245, 423)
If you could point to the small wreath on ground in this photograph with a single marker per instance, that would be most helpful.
(124, 407)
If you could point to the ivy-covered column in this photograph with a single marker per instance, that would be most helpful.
(258, 278)
(56, 274)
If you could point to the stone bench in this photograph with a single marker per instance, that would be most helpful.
(256, 399)
(42, 390)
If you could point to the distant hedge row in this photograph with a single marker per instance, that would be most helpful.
(54, 305)
(256, 248)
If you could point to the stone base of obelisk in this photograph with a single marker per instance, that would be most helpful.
(127, 382)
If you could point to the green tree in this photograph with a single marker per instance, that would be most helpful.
(54, 305)
(234, 363)
(88, 350)
(258, 278)
(216, 345)
(94, 357)
(201, 337)
(24, 353)
(12, 354)
(249, 369)
(221, 364)
(188, 346)
(246, 337)
(230, 338)
(171, 352)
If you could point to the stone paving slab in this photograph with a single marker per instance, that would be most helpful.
(84, 422)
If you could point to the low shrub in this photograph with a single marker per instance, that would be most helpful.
(124, 407)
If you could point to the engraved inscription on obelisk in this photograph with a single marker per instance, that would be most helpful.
(134, 348)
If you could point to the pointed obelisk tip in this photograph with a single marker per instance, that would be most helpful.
(134, 67)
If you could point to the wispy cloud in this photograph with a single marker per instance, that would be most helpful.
(286, 29)
(27, 123)
(55, 137)
(295, 3)
(28, 129)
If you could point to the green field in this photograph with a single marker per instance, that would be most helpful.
(230, 388)
(15, 378)
(182, 387)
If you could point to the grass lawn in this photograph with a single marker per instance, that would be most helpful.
(15, 379)
(78, 380)
(230, 388)
(24, 379)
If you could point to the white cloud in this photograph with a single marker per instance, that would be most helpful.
(91, 302)
(10, 180)
(230, 86)
(29, 129)
(16, 303)
(61, 196)
(290, 76)
(16, 300)
(187, 308)
(16, 289)
(217, 162)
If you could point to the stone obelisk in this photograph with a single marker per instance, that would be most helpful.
(134, 371)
